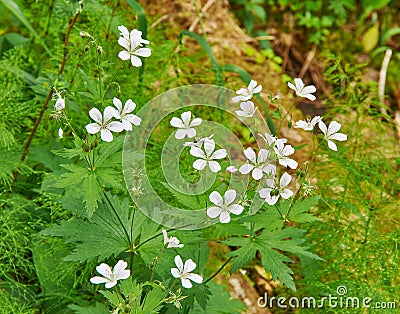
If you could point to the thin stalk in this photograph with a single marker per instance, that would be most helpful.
(119, 218)
(219, 270)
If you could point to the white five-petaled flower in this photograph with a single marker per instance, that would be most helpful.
(185, 125)
(208, 156)
(302, 90)
(271, 140)
(110, 277)
(272, 193)
(224, 206)
(132, 41)
(282, 151)
(247, 109)
(171, 241)
(331, 133)
(104, 124)
(307, 125)
(257, 165)
(184, 272)
(125, 115)
(247, 93)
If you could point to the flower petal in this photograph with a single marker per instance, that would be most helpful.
(176, 122)
(213, 212)
(136, 62)
(129, 107)
(214, 166)
(199, 164)
(115, 126)
(143, 52)
(186, 117)
(195, 122)
(180, 134)
(134, 119)
(190, 132)
(209, 147)
(286, 193)
(117, 103)
(338, 137)
(95, 114)
(124, 42)
(175, 272)
(110, 284)
(189, 266)
(104, 270)
(333, 127)
(229, 197)
(332, 145)
(106, 135)
(309, 97)
(299, 84)
(124, 55)
(264, 192)
(309, 89)
(246, 168)
(179, 263)
(98, 280)
(257, 174)
(225, 217)
(165, 235)
(186, 283)
(322, 126)
(110, 113)
(235, 209)
(194, 277)
(93, 128)
(262, 155)
(250, 154)
(219, 154)
(285, 180)
(216, 198)
(197, 152)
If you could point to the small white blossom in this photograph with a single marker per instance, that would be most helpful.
(125, 115)
(307, 125)
(171, 241)
(110, 277)
(302, 90)
(60, 133)
(224, 206)
(132, 41)
(60, 102)
(257, 165)
(247, 93)
(184, 272)
(272, 193)
(208, 156)
(185, 125)
(231, 169)
(271, 140)
(104, 124)
(282, 151)
(247, 109)
(330, 133)
(198, 142)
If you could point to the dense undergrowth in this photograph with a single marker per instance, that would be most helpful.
(58, 222)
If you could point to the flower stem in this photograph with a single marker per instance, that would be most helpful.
(219, 270)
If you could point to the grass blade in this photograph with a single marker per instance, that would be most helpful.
(14, 8)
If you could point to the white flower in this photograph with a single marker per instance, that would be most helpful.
(247, 93)
(302, 90)
(132, 42)
(184, 272)
(231, 169)
(248, 109)
(207, 156)
(307, 125)
(282, 151)
(257, 166)
(198, 142)
(110, 277)
(224, 207)
(331, 133)
(103, 124)
(60, 133)
(124, 114)
(185, 125)
(271, 193)
(271, 139)
(172, 241)
(60, 103)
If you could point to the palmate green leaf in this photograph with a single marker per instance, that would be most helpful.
(91, 193)
(106, 235)
(267, 242)
(300, 210)
(98, 308)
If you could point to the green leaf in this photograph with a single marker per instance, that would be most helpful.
(106, 235)
(207, 48)
(244, 254)
(299, 211)
(98, 308)
(91, 193)
(15, 9)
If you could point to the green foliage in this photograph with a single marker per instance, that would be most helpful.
(287, 240)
